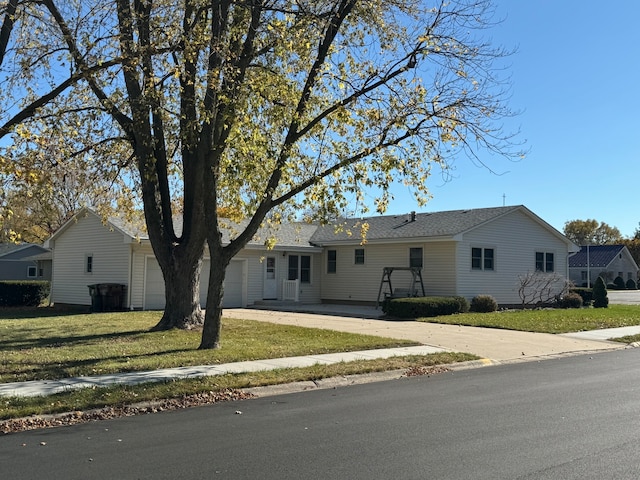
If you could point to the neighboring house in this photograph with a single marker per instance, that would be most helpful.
(463, 252)
(25, 261)
(606, 261)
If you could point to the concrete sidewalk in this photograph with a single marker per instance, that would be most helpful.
(492, 345)
(49, 387)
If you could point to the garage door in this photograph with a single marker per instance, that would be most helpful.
(233, 285)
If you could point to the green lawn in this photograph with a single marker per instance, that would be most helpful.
(44, 345)
(49, 347)
(548, 320)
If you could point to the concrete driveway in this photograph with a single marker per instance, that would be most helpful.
(490, 343)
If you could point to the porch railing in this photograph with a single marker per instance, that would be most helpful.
(290, 290)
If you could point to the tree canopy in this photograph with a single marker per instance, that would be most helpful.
(592, 232)
(264, 108)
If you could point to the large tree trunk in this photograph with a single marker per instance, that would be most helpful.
(182, 295)
(213, 314)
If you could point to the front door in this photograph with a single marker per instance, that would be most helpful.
(270, 283)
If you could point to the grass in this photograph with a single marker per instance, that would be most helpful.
(119, 395)
(53, 347)
(43, 344)
(548, 320)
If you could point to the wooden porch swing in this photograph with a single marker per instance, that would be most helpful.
(412, 291)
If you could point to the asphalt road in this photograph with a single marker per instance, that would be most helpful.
(567, 418)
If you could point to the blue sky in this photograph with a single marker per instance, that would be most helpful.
(575, 80)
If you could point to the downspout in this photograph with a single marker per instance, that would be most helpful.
(130, 276)
(53, 263)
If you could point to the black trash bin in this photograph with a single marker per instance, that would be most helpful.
(106, 297)
(96, 298)
(112, 296)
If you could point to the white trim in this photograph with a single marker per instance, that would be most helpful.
(144, 280)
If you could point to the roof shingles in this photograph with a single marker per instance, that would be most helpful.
(418, 225)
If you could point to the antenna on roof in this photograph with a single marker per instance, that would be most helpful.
(504, 199)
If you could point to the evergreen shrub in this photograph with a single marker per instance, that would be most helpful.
(23, 293)
(416, 307)
(600, 299)
(619, 284)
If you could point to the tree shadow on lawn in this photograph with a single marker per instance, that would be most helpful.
(68, 369)
(27, 341)
(18, 313)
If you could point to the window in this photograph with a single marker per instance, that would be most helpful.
(271, 268)
(482, 258)
(89, 264)
(332, 261)
(415, 257)
(300, 268)
(545, 262)
(359, 256)
(32, 272)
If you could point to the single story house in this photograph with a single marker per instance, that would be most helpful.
(25, 261)
(87, 251)
(606, 261)
(462, 252)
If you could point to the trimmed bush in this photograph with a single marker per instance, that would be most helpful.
(570, 300)
(463, 304)
(619, 284)
(23, 293)
(631, 284)
(416, 307)
(585, 293)
(600, 299)
(483, 304)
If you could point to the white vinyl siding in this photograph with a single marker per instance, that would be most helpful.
(361, 283)
(110, 260)
(252, 274)
(514, 238)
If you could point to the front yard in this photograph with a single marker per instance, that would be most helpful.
(42, 345)
(548, 320)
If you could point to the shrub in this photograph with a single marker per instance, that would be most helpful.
(619, 284)
(631, 284)
(23, 293)
(416, 307)
(483, 304)
(600, 299)
(570, 300)
(463, 304)
(585, 293)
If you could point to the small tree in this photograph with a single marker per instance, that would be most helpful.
(600, 299)
(540, 288)
(619, 283)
